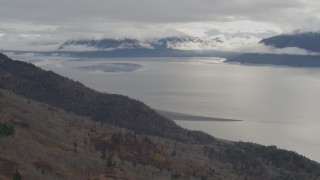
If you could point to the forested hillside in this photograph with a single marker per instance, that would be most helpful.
(46, 86)
(116, 137)
(49, 143)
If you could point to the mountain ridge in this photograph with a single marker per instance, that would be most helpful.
(172, 46)
(305, 40)
(186, 42)
(174, 42)
(50, 143)
(47, 139)
(46, 86)
(308, 41)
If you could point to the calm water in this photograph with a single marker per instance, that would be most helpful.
(278, 105)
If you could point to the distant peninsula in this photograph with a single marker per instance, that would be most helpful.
(308, 41)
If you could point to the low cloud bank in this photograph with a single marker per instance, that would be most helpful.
(219, 42)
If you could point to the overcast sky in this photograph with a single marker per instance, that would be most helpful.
(146, 18)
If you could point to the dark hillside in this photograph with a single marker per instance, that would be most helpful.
(46, 86)
(308, 41)
(49, 143)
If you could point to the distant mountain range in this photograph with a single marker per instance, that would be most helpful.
(177, 46)
(299, 49)
(167, 43)
(309, 41)
(306, 41)
(104, 44)
(210, 44)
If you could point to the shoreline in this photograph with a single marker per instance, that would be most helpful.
(190, 117)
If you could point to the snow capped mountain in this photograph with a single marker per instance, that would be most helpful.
(218, 42)
(209, 41)
(184, 43)
(105, 44)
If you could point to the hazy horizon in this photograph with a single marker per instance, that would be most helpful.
(43, 25)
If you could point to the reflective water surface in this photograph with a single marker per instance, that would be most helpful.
(277, 105)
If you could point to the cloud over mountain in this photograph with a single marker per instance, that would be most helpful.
(74, 18)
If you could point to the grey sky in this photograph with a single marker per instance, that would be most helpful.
(146, 11)
(65, 18)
